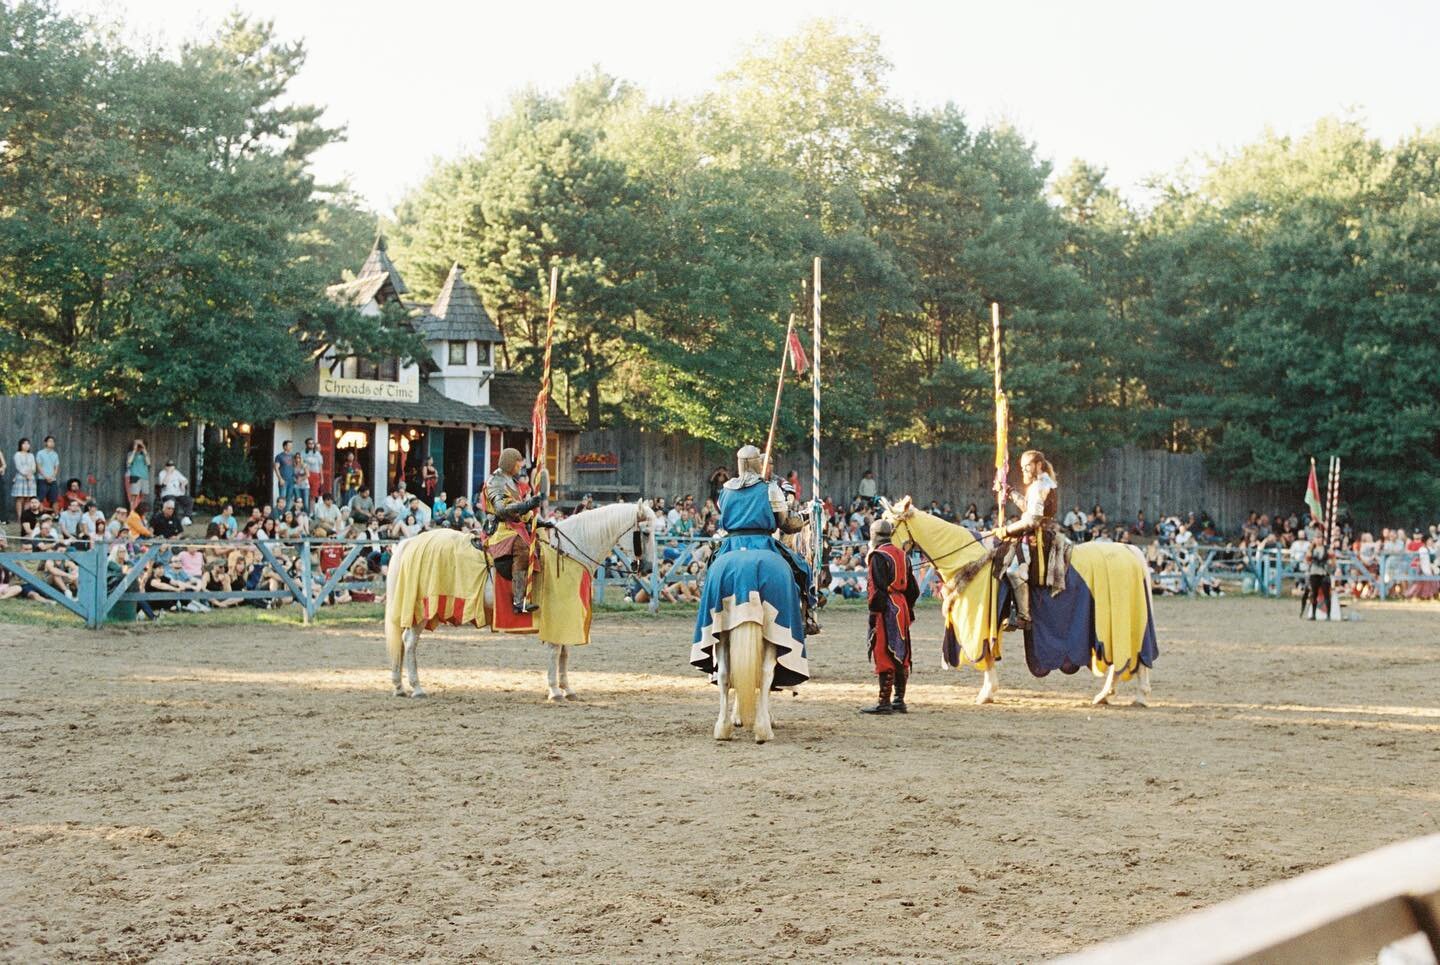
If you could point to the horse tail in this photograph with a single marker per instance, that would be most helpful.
(394, 635)
(747, 647)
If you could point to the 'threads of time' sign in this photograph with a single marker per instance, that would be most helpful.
(369, 389)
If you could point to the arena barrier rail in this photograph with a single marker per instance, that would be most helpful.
(1346, 912)
(309, 572)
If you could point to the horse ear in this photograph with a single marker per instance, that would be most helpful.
(885, 505)
(903, 506)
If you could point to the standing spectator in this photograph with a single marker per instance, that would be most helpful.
(353, 477)
(22, 487)
(718, 479)
(429, 479)
(313, 462)
(137, 474)
(47, 474)
(174, 486)
(301, 502)
(869, 488)
(285, 471)
(2, 472)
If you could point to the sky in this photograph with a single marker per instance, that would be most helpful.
(1138, 87)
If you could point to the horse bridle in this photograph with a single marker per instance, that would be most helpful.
(935, 560)
(580, 556)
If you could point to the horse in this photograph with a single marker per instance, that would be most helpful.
(1102, 616)
(578, 547)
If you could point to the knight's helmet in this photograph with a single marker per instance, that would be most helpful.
(749, 460)
(880, 532)
(509, 461)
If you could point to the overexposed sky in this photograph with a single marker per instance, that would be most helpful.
(1136, 86)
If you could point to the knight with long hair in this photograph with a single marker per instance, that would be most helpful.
(1035, 530)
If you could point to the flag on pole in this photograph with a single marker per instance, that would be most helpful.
(798, 361)
(1312, 496)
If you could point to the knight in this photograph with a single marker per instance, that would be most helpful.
(1035, 530)
(742, 515)
(513, 518)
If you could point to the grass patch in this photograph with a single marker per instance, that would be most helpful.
(30, 613)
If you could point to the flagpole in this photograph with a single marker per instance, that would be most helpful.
(818, 514)
(779, 387)
(1001, 415)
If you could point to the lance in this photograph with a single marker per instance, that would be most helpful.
(818, 514)
(779, 388)
(1002, 418)
(539, 415)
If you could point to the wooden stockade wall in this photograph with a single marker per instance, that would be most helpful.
(88, 447)
(1122, 480)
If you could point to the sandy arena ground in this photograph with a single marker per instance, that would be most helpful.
(181, 795)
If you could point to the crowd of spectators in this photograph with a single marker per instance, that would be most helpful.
(53, 515)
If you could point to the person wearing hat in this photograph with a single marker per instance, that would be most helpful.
(892, 593)
(176, 488)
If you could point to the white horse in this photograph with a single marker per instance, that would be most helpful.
(586, 538)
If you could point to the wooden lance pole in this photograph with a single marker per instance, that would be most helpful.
(817, 518)
(779, 388)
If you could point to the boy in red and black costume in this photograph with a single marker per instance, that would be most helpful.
(893, 593)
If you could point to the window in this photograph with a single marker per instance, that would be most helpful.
(457, 353)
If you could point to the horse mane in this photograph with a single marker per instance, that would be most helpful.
(596, 531)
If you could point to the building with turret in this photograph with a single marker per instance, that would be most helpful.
(452, 407)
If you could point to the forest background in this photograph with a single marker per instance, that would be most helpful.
(164, 250)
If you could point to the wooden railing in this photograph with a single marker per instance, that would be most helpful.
(1347, 912)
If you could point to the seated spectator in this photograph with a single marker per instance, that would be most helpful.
(289, 527)
(73, 493)
(135, 521)
(166, 523)
(269, 530)
(226, 521)
(118, 525)
(72, 519)
(62, 574)
(361, 506)
(1074, 522)
(439, 506)
(30, 517)
(1138, 528)
(327, 513)
(175, 487)
(420, 512)
(397, 504)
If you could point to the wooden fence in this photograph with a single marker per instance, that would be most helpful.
(1123, 480)
(89, 447)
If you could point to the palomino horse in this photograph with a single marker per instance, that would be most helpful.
(1101, 618)
(440, 577)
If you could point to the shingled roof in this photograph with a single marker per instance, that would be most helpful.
(514, 395)
(432, 407)
(457, 314)
(379, 263)
(363, 290)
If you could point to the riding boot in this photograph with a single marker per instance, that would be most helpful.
(1020, 590)
(902, 677)
(887, 680)
(519, 584)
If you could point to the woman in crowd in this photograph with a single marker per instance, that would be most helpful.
(136, 523)
(22, 485)
(268, 530)
(429, 479)
(289, 527)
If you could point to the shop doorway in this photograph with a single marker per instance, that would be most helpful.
(353, 440)
(408, 447)
(455, 465)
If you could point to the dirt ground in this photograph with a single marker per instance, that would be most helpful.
(184, 795)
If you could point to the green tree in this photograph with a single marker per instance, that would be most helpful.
(152, 232)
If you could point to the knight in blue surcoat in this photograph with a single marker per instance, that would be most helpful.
(752, 575)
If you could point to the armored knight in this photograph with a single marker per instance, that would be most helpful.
(513, 520)
(783, 517)
(1035, 528)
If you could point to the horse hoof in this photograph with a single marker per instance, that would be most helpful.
(763, 734)
(1141, 701)
(398, 692)
(555, 697)
(724, 733)
(418, 694)
(570, 695)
